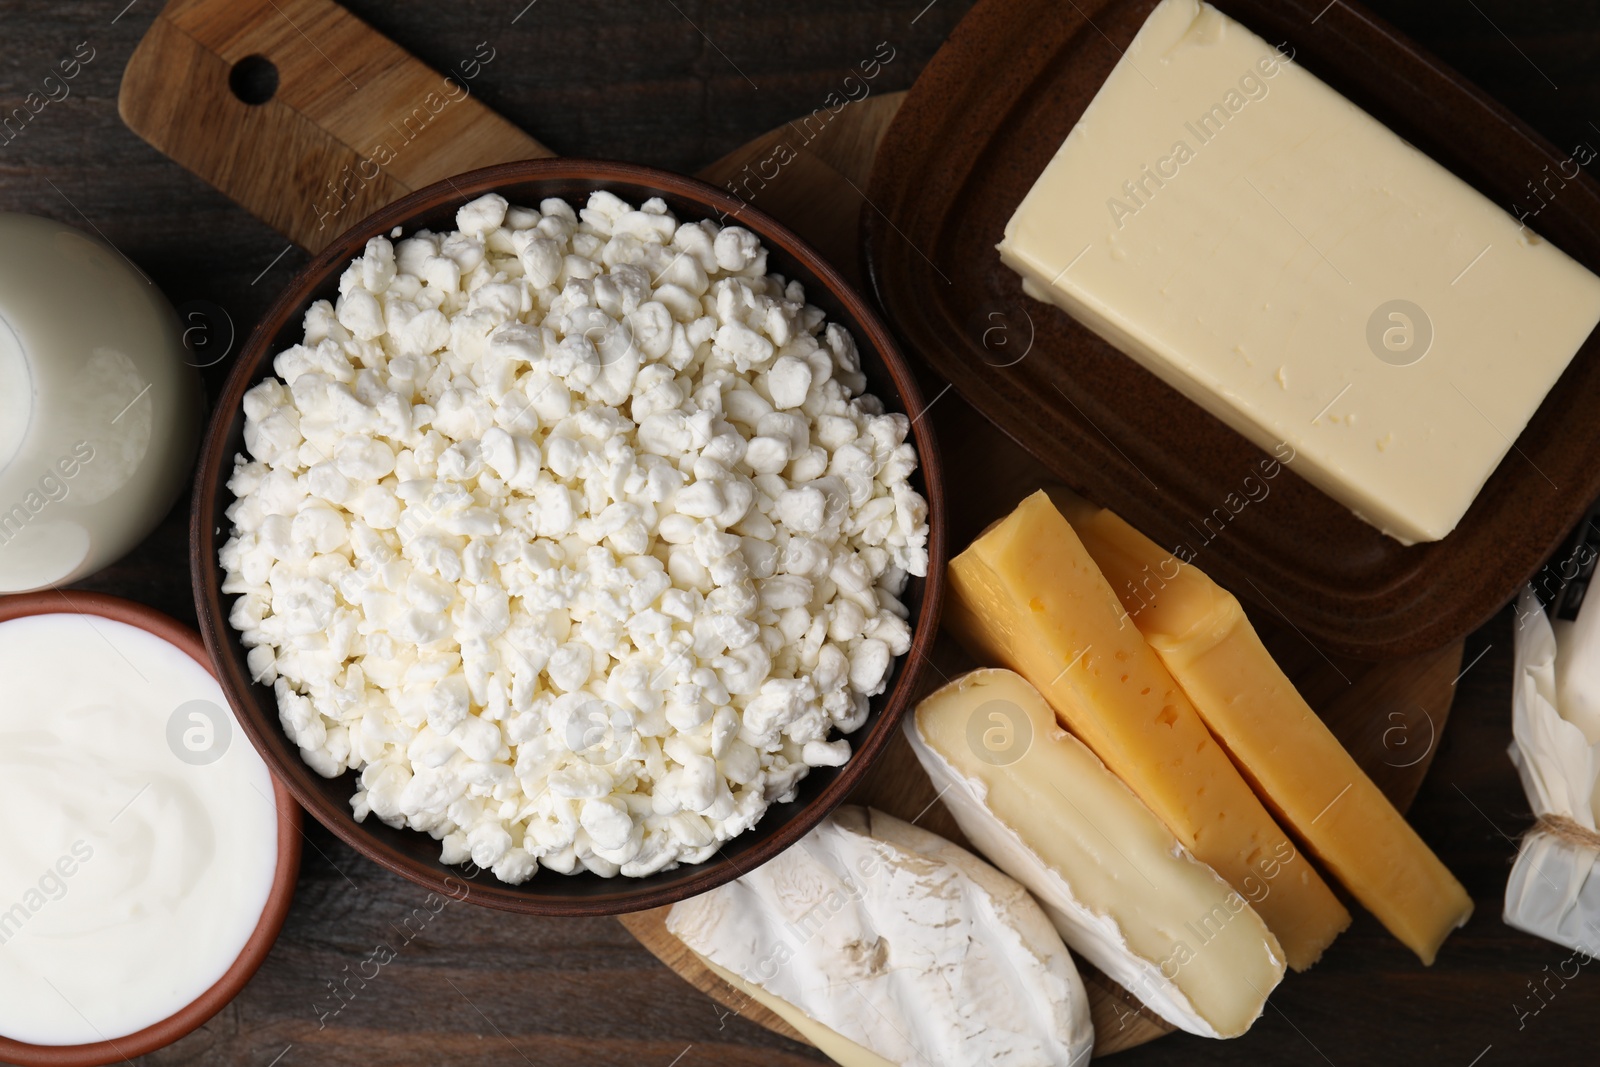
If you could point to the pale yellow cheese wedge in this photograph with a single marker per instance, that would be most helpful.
(1295, 763)
(1123, 893)
(829, 1042)
(1026, 595)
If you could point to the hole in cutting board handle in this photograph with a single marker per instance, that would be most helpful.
(254, 80)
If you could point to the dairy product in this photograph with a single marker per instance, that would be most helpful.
(1123, 893)
(16, 395)
(133, 876)
(839, 1049)
(98, 413)
(1298, 270)
(573, 532)
(898, 944)
(1298, 768)
(1026, 595)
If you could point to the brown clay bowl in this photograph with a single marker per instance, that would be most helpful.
(413, 854)
(213, 1000)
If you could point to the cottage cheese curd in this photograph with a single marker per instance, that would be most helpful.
(573, 532)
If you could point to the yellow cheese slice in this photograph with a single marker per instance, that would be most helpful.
(1295, 763)
(1026, 595)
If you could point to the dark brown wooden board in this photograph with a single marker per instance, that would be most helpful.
(977, 130)
(472, 988)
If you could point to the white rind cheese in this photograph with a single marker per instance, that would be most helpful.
(839, 1049)
(901, 943)
(1297, 269)
(1121, 890)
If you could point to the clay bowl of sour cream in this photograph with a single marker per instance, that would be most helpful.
(414, 854)
(150, 856)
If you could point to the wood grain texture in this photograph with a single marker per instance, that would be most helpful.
(634, 79)
(348, 134)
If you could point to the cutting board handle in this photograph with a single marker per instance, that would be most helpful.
(306, 116)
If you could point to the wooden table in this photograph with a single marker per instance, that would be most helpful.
(622, 80)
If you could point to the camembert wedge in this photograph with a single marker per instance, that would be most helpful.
(829, 1042)
(1120, 889)
(897, 944)
(1295, 763)
(1026, 595)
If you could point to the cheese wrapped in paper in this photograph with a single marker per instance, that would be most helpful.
(1554, 888)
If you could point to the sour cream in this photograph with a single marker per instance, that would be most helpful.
(137, 827)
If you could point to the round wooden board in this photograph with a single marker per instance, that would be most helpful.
(810, 175)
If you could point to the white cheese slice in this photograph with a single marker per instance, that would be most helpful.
(1301, 272)
(901, 943)
(835, 1046)
(1121, 890)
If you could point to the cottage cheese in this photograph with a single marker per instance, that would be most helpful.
(573, 533)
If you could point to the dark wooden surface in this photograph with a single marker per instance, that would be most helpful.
(639, 80)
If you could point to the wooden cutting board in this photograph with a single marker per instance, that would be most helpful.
(354, 122)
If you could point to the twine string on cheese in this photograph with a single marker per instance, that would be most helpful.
(1565, 830)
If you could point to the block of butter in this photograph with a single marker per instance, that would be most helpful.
(1298, 767)
(1301, 272)
(1026, 595)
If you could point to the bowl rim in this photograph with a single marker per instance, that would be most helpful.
(256, 949)
(215, 466)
